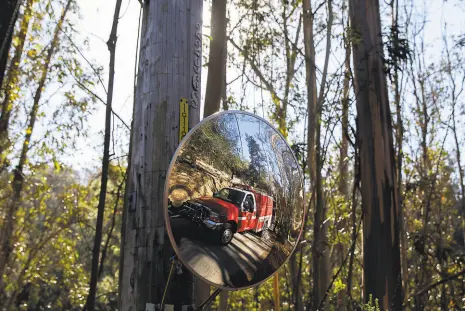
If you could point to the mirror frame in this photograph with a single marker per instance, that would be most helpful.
(166, 193)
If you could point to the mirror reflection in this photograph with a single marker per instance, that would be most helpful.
(235, 200)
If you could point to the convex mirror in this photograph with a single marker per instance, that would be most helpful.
(234, 200)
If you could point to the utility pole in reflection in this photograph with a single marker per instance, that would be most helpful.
(167, 103)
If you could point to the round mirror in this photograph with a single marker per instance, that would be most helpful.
(234, 200)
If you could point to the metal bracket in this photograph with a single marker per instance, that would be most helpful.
(206, 304)
(178, 267)
(174, 263)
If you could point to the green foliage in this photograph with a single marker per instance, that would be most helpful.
(49, 265)
(50, 262)
(53, 243)
(370, 305)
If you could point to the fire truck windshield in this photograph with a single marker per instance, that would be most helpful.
(233, 196)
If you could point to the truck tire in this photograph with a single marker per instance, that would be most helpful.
(226, 234)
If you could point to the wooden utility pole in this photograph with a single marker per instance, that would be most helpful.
(168, 76)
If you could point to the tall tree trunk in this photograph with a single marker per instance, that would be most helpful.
(215, 90)
(224, 95)
(216, 80)
(309, 46)
(295, 280)
(111, 44)
(344, 151)
(276, 292)
(341, 248)
(321, 251)
(112, 226)
(311, 84)
(399, 149)
(217, 58)
(8, 17)
(427, 186)
(381, 258)
(291, 57)
(18, 178)
(313, 120)
(169, 71)
(12, 80)
(354, 231)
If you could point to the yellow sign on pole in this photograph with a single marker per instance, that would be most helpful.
(183, 118)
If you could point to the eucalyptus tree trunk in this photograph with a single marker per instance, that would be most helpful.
(18, 178)
(216, 88)
(169, 71)
(320, 248)
(216, 59)
(111, 44)
(399, 147)
(8, 17)
(309, 44)
(381, 258)
(12, 79)
(224, 95)
(341, 248)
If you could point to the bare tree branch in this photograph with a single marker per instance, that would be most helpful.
(85, 59)
(100, 99)
(257, 71)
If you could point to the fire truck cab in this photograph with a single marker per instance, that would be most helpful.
(232, 210)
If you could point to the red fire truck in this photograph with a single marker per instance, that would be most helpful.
(231, 210)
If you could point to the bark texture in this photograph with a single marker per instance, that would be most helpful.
(320, 248)
(169, 69)
(341, 248)
(382, 268)
(8, 17)
(12, 80)
(217, 58)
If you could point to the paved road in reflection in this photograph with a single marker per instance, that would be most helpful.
(246, 260)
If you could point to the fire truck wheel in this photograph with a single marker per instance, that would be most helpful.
(226, 234)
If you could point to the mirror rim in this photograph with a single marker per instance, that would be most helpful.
(166, 193)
